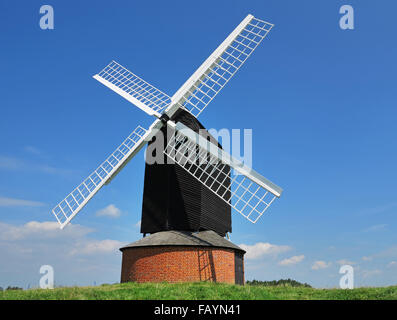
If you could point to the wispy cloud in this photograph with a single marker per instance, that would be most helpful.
(10, 163)
(375, 228)
(16, 164)
(40, 230)
(378, 209)
(260, 249)
(110, 211)
(390, 252)
(317, 265)
(344, 262)
(291, 261)
(97, 247)
(371, 273)
(76, 256)
(12, 202)
(32, 150)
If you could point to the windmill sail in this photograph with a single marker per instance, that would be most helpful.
(208, 80)
(133, 88)
(78, 198)
(247, 192)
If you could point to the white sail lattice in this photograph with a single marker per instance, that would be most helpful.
(75, 201)
(247, 192)
(133, 88)
(221, 65)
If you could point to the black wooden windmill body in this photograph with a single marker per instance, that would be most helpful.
(197, 184)
(174, 200)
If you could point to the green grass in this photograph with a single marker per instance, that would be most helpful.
(193, 291)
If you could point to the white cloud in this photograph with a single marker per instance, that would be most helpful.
(41, 230)
(392, 264)
(375, 228)
(10, 163)
(390, 253)
(12, 202)
(32, 150)
(260, 249)
(97, 247)
(49, 233)
(371, 273)
(110, 211)
(345, 261)
(291, 261)
(320, 265)
(379, 209)
(77, 257)
(138, 224)
(15, 164)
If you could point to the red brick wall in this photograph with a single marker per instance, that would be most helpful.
(177, 264)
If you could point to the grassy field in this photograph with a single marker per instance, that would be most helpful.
(193, 291)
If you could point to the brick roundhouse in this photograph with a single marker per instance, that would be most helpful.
(178, 256)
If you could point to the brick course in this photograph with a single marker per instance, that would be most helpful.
(178, 264)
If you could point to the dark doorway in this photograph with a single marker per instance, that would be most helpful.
(239, 268)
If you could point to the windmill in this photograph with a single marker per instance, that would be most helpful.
(200, 183)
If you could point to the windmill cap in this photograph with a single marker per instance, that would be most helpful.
(206, 238)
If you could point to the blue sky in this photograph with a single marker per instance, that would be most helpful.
(321, 102)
